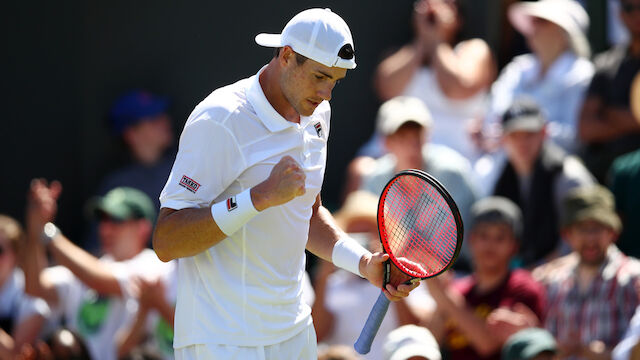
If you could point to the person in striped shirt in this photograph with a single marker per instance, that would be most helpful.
(592, 292)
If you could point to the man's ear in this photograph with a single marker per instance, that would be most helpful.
(286, 56)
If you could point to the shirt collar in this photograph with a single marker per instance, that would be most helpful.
(265, 111)
(557, 70)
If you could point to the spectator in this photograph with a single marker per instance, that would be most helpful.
(21, 316)
(152, 328)
(140, 119)
(592, 292)
(606, 126)
(624, 177)
(556, 73)
(450, 76)
(95, 297)
(460, 320)
(530, 344)
(535, 174)
(405, 124)
(411, 342)
(343, 300)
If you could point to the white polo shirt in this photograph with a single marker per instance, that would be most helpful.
(247, 289)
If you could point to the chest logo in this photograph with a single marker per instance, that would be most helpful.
(189, 184)
(318, 128)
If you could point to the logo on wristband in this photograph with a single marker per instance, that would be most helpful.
(189, 184)
(232, 204)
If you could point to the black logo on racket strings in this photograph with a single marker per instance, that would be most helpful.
(318, 127)
(232, 204)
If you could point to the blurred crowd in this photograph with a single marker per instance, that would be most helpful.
(541, 155)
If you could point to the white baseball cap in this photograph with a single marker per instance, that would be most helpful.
(410, 341)
(318, 34)
(399, 110)
(568, 14)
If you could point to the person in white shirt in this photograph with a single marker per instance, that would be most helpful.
(21, 316)
(555, 75)
(242, 202)
(450, 76)
(95, 297)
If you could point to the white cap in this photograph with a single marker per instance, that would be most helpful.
(568, 14)
(399, 110)
(318, 34)
(408, 341)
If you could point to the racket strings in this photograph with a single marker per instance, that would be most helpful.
(420, 228)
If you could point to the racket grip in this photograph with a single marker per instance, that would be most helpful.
(370, 329)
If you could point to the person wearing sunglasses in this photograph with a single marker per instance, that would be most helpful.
(97, 297)
(606, 126)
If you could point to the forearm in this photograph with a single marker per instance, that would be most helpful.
(184, 233)
(463, 75)
(86, 267)
(473, 327)
(395, 72)
(33, 265)
(600, 123)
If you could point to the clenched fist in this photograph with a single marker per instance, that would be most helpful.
(286, 181)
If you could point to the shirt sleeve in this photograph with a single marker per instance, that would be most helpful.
(68, 287)
(208, 161)
(622, 351)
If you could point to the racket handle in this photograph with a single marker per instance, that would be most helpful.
(370, 329)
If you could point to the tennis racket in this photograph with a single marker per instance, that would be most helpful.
(421, 229)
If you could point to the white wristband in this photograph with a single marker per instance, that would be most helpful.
(232, 214)
(347, 254)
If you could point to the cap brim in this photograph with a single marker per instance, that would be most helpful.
(96, 208)
(269, 40)
(604, 217)
(532, 124)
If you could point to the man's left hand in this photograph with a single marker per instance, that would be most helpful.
(372, 268)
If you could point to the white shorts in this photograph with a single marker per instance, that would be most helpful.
(303, 346)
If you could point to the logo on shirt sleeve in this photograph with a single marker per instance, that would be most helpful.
(318, 127)
(231, 203)
(189, 184)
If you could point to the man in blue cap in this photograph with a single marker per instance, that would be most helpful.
(140, 119)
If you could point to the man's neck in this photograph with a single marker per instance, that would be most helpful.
(487, 280)
(522, 169)
(269, 81)
(548, 58)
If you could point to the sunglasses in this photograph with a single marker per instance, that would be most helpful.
(629, 7)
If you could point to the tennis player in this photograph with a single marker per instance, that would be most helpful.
(243, 201)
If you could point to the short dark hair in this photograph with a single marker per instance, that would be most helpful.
(300, 59)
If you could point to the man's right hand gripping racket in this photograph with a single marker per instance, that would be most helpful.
(421, 229)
